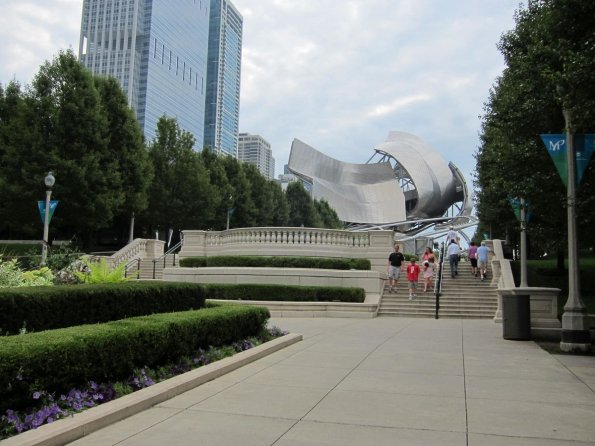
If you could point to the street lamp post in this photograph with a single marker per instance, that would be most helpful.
(229, 210)
(575, 329)
(49, 181)
(523, 243)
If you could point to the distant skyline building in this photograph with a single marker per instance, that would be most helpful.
(254, 149)
(157, 50)
(287, 177)
(222, 112)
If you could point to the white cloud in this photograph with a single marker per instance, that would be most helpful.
(339, 74)
(399, 103)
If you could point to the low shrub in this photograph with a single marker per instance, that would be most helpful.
(286, 293)
(11, 275)
(277, 262)
(43, 407)
(100, 272)
(44, 308)
(58, 360)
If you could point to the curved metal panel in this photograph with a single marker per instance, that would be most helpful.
(358, 192)
(371, 194)
(429, 172)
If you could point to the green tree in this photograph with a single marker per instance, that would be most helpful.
(245, 212)
(18, 198)
(73, 129)
(550, 59)
(222, 190)
(328, 216)
(125, 143)
(280, 210)
(302, 211)
(181, 195)
(262, 193)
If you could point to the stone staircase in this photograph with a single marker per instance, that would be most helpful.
(463, 297)
(144, 269)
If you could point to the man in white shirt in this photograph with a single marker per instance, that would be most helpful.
(453, 252)
(451, 235)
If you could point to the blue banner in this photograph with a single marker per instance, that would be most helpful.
(41, 206)
(584, 151)
(557, 148)
(516, 207)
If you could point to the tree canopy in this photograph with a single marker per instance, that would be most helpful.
(80, 127)
(550, 66)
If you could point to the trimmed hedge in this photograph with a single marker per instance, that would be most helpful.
(284, 293)
(277, 262)
(45, 308)
(58, 360)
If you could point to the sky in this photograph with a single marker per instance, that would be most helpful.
(336, 74)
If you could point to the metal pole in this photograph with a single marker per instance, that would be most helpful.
(46, 228)
(228, 218)
(131, 232)
(575, 329)
(523, 244)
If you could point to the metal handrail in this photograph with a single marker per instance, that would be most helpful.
(164, 256)
(129, 266)
(438, 284)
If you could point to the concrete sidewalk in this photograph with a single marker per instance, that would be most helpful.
(383, 381)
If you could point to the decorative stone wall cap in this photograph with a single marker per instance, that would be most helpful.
(527, 290)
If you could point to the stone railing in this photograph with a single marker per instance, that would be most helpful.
(138, 249)
(284, 241)
(543, 301)
(287, 236)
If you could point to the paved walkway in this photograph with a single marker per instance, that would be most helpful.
(384, 381)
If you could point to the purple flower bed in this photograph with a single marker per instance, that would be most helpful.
(45, 407)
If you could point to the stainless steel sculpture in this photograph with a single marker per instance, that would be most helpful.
(358, 192)
(404, 181)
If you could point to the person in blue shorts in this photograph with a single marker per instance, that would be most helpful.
(482, 260)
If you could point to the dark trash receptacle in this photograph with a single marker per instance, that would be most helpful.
(516, 317)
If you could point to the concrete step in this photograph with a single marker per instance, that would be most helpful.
(464, 296)
(146, 269)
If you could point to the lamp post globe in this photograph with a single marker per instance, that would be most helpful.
(49, 181)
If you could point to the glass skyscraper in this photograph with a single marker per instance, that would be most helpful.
(157, 49)
(223, 78)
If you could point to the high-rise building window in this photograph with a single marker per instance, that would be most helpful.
(140, 33)
(222, 94)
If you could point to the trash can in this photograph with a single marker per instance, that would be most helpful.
(516, 317)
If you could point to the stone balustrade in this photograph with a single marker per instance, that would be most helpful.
(543, 301)
(291, 241)
(138, 249)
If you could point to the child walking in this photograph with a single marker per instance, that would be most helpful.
(428, 274)
(412, 277)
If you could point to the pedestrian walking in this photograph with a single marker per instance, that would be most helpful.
(482, 260)
(472, 254)
(395, 261)
(412, 277)
(453, 253)
(428, 273)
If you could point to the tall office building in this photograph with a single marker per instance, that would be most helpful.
(223, 78)
(254, 149)
(157, 49)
